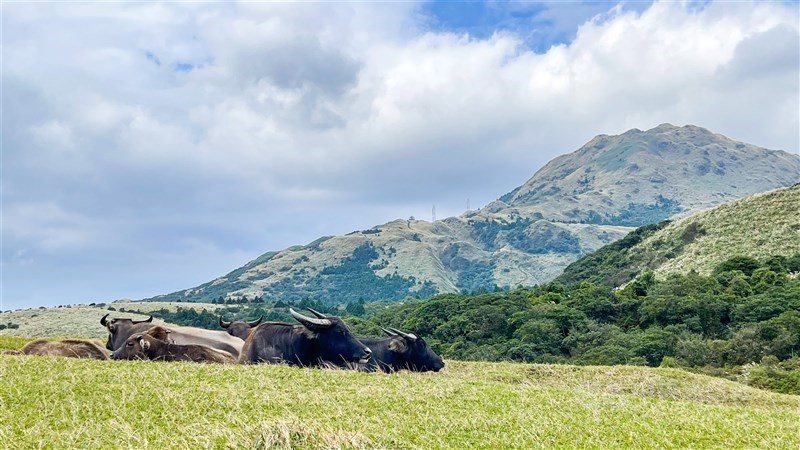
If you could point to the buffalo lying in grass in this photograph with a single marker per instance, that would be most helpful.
(119, 330)
(154, 344)
(401, 351)
(71, 348)
(313, 342)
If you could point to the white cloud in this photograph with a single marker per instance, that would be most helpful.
(250, 127)
(53, 134)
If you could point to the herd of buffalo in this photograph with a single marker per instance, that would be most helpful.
(320, 341)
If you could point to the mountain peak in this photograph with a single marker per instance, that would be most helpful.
(666, 170)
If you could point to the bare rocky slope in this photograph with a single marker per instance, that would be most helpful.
(572, 206)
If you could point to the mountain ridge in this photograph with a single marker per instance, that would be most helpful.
(573, 205)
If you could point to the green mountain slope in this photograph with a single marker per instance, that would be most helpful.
(759, 226)
(574, 205)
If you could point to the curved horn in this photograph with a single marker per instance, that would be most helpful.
(143, 321)
(308, 321)
(411, 337)
(318, 314)
(255, 324)
(224, 324)
(390, 333)
(103, 321)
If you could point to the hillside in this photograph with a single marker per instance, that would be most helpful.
(81, 320)
(142, 404)
(574, 205)
(760, 226)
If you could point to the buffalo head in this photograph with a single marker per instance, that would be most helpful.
(334, 340)
(137, 345)
(413, 352)
(239, 329)
(119, 330)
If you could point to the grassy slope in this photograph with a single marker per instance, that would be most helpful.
(81, 320)
(46, 402)
(758, 226)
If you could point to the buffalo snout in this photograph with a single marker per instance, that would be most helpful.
(366, 355)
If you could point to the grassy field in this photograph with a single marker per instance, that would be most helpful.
(81, 320)
(70, 403)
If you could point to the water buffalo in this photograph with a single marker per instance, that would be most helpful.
(239, 329)
(154, 344)
(71, 348)
(401, 351)
(119, 330)
(314, 342)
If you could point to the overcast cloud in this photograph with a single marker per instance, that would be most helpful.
(150, 147)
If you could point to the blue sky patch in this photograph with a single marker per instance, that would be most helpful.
(152, 57)
(540, 25)
(183, 67)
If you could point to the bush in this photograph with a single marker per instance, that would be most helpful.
(606, 355)
(744, 263)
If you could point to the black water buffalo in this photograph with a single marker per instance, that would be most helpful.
(239, 329)
(401, 351)
(119, 330)
(71, 348)
(314, 342)
(154, 344)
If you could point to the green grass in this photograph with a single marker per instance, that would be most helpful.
(758, 226)
(70, 403)
(12, 342)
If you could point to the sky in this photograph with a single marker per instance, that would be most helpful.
(152, 147)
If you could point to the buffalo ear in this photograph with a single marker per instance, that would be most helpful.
(145, 345)
(398, 345)
(159, 333)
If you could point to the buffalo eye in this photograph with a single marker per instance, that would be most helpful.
(129, 344)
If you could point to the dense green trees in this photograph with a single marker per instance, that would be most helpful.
(746, 311)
